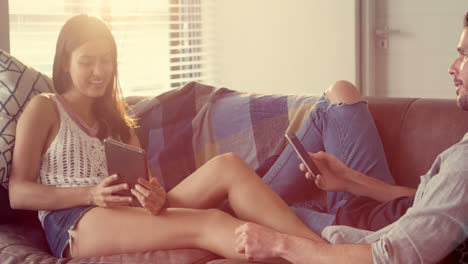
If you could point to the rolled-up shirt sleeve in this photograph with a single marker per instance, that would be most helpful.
(432, 228)
(435, 225)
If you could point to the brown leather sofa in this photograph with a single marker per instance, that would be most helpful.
(413, 131)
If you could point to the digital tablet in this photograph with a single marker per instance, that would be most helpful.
(128, 162)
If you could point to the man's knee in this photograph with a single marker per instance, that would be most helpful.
(342, 91)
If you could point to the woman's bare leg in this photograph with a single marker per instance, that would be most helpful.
(228, 176)
(108, 231)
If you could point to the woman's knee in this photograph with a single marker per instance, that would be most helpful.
(230, 167)
(343, 91)
(230, 157)
(228, 161)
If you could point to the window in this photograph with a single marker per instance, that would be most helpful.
(161, 44)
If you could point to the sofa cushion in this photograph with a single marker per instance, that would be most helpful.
(18, 84)
(27, 244)
(414, 131)
(459, 255)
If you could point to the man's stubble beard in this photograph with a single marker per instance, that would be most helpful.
(463, 101)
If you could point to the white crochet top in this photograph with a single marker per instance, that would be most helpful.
(76, 157)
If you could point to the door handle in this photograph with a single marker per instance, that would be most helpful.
(385, 32)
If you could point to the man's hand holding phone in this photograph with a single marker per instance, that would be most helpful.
(334, 174)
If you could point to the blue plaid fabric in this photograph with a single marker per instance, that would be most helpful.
(188, 126)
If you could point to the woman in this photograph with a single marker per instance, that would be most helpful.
(59, 169)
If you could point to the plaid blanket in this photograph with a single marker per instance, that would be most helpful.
(184, 128)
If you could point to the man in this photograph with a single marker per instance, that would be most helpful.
(435, 225)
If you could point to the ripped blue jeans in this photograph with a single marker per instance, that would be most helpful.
(348, 132)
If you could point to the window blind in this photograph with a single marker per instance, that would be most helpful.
(186, 50)
(160, 44)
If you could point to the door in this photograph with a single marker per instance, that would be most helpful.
(409, 45)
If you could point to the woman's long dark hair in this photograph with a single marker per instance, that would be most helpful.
(110, 108)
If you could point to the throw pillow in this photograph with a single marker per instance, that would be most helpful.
(18, 84)
(459, 255)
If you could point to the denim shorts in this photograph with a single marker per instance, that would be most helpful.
(56, 226)
(348, 132)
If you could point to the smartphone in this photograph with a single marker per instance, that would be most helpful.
(302, 154)
(128, 162)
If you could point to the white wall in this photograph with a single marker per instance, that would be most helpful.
(4, 26)
(285, 46)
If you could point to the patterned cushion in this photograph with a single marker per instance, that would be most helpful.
(459, 255)
(18, 84)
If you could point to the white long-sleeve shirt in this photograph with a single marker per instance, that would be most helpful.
(433, 227)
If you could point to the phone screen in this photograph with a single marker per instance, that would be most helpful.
(302, 154)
